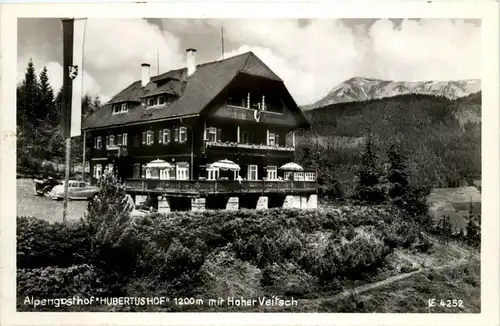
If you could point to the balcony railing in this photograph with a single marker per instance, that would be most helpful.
(219, 186)
(250, 146)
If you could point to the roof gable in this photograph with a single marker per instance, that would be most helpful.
(194, 92)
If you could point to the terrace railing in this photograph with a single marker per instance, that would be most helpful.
(219, 186)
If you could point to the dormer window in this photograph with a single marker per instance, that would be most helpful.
(124, 107)
(116, 108)
(151, 101)
(161, 100)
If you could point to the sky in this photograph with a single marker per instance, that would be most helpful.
(311, 56)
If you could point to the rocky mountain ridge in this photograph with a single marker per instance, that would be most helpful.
(361, 89)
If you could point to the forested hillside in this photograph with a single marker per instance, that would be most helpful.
(38, 116)
(441, 138)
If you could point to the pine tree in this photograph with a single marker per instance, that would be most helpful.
(27, 105)
(47, 104)
(28, 98)
(397, 177)
(369, 188)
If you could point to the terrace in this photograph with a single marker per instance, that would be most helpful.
(205, 187)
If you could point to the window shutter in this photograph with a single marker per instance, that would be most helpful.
(143, 137)
(267, 137)
(176, 134)
(160, 136)
(167, 131)
(219, 134)
(277, 139)
(119, 139)
(107, 140)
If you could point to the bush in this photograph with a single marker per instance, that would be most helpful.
(224, 275)
(363, 253)
(42, 244)
(55, 282)
(287, 279)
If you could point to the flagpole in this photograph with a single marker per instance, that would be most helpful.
(66, 178)
(83, 163)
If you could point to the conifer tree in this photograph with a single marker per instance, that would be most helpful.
(369, 188)
(28, 98)
(397, 177)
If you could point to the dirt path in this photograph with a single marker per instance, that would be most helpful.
(465, 256)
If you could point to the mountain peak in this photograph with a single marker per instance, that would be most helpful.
(362, 88)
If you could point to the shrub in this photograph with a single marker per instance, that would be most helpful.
(287, 279)
(223, 275)
(55, 282)
(352, 258)
(42, 244)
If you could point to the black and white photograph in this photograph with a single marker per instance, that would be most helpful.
(250, 165)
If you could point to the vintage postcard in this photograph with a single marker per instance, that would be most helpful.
(250, 164)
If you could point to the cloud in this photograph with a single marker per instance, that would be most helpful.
(312, 58)
(114, 50)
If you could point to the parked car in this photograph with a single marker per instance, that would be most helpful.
(76, 190)
(44, 185)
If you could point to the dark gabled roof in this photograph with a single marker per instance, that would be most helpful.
(131, 93)
(195, 92)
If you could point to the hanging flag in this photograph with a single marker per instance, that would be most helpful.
(71, 110)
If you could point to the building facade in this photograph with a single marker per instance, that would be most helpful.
(235, 109)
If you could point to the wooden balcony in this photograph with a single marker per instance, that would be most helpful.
(198, 187)
(249, 146)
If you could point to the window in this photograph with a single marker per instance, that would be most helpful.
(247, 136)
(137, 140)
(137, 171)
(182, 134)
(252, 172)
(124, 107)
(125, 139)
(97, 171)
(116, 109)
(161, 99)
(148, 173)
(119, 139)
(111, 140)
(298, 176)
(270, 139)
(213, 173)
(164, 136)
(272, 172)
(273, 139)
(182, 171)
(309, 176)
(98, 142)
(288, 175)
(82, 185)
(211, 134)
(151, 101)
(165, 174)
(149, 138)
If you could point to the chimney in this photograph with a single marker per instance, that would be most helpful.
(145, 74)
(191, 61)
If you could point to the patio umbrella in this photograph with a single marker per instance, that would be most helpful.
(226, 165)
(159, 164)
(291, 167)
